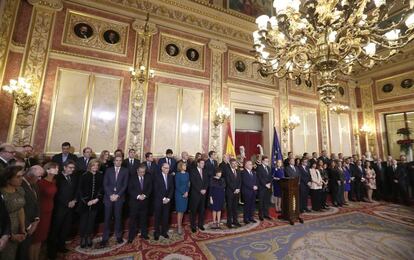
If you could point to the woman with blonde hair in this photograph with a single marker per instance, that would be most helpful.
(105, 161)
(47, 191)
(90, 193)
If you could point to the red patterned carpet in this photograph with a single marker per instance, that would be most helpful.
(198, 245)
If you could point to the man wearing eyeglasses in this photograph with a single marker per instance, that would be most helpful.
(65, 201)
(7, 152)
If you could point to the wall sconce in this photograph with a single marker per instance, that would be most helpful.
(141, 75)
(365, 130)
(222, 114)
(292, 123)
(22, 93)
(339, 109)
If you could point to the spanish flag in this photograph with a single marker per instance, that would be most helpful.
(230, 145)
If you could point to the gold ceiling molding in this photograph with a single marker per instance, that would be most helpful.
(96, 40)
(189, 13)
(54, 5)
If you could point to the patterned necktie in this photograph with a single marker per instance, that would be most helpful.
(141, 183)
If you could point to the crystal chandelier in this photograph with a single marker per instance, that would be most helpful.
(328, 38)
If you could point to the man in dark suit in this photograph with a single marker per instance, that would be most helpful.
(380, 179)
(211, 164)
(31, 208)
(193, 163)
(65, 201)
(357, 173)
(265, 178)
(82, 162)
(291, 170)
(60, 158)
(5, 224)
(286, 161)
(233, 186)
(314, 159)
(324, 157)
(150, 166)
(305, 181)
(7, 153)
(29, 159)
(115, 186)
(139, 190)
(131, 163)
(163, 186)
(400, 181)
(199, 182)
(225, 165)
(249, 191)
(169, 159)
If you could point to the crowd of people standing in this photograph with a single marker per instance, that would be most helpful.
(41, 199)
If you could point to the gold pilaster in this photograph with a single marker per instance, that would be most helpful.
(33, 66)
(368, 114)
(323, 112)
(216, 93)
(284, 115)
(354, 116)
(7, 22)
(138, 96)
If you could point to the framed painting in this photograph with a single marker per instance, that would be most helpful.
(252, 8)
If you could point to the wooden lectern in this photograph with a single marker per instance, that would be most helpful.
(290, 199)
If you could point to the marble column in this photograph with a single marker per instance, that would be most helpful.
(139, 90)
(33, 67)
(8, 17)
(284, 115)
(218, 48)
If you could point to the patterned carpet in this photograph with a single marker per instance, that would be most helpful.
(359, 231)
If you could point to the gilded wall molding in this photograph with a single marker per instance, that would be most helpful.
(323, 112)
(284, 115)
(181, 58)
(6, 29)
(393, 87)
(33, 68)
(53, 5)
(194, 15)
(247, 70)
(354, 116)
(218, 48)
(138, 95)
(96, 39)
(368, 113)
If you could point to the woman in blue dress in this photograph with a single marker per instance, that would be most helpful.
(347, 184)
(278, 173)
(182, 185)
(217, 189)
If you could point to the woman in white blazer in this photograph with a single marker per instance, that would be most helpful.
(316, 187)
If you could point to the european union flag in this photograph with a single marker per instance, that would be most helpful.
(276, 150)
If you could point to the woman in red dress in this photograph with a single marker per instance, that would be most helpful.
(47, 190)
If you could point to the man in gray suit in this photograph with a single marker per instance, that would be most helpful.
(31, 208)
(291, 170)
(115, 185)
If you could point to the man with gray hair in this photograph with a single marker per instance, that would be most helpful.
(7, 152)
(31, 208)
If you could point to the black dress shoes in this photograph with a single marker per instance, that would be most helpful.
(88, 242)
(83, 242)
(119, 240)
(246, 222)
(130, 241)
(201, 228)
(237, 224)
(229, 225)
(193, 229)
(103, 244)
(165, 235)
(260, 218)
(156, 237)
